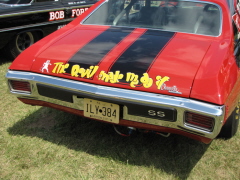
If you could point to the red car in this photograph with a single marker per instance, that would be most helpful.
(165, 67)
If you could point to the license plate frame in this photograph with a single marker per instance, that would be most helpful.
(101, 110)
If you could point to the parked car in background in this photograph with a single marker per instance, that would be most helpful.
(23, 22)
(164, 67)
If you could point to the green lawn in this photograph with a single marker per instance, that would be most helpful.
(42, 143)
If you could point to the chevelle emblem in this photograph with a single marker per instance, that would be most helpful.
(172, 89)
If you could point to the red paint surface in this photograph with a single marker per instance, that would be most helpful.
(201, 67)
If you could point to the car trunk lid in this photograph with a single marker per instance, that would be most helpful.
(139, 59)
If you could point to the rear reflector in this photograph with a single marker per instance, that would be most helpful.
(199, 121)
(20, 86)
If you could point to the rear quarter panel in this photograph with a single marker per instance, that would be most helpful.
(217, 80)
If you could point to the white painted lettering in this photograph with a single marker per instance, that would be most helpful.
(78, 12)
(52, 16)
(56, 15)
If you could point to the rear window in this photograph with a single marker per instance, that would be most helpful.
(176, 15)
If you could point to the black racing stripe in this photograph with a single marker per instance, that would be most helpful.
(140, 55)
(93, 52)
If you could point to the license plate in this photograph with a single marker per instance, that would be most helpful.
(101, 110)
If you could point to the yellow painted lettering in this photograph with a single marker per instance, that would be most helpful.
(75, 70)
(146, 80)
(110, 76)
(160, 81)
(103, 76)
(63, 67)
(88, 73)
(83, 72)
(133, 78)
(114, 77)
(56, 67)
(93, 71)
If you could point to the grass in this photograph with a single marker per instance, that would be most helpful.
(43, 143)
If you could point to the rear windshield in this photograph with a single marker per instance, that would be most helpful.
(170, 15)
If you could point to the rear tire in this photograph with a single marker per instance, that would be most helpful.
(230, 128)
(19, 43)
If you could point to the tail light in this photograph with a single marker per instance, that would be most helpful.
(199, 121)
(20, 86)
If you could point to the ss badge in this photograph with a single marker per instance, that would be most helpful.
(156, 113)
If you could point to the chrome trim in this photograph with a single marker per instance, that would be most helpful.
(79, 6)
(219, 7)
(19, 91)
(15, 5)
(123, 96)
(36, 25)
(31, 12)
(42, 11)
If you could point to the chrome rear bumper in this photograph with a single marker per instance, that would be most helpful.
(121, 96)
